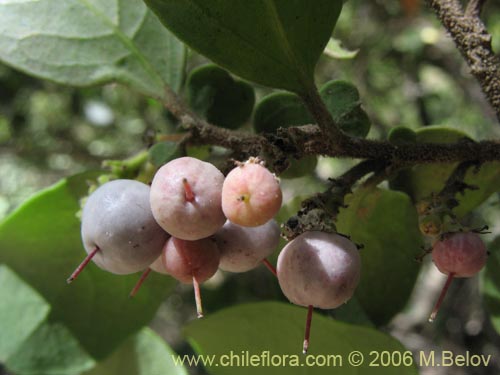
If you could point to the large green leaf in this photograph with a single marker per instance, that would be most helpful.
(50, 350)
(22, 309)
(422, 180)
(278, 330)
(491, 284)
(273, 42)
(385, 222)
(143, 354)
(219, 98)
(86, 42)
(41, 242)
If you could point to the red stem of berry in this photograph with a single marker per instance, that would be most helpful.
(441, 297)
(197, 297)
(270, 267)
(308, 329)
(139, 282)
(188, 192)
(82, 265)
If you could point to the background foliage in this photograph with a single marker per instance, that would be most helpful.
(407, 73)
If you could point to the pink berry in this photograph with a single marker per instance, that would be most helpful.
(186, 260)
(319, 269)
(244, 248)
(186, 198)
(464, 254)
(158, 266)
(191, 262)
(251, 194)
(461, 254)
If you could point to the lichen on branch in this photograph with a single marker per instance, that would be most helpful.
(474, 43)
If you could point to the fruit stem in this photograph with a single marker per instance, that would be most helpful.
(270, 267)
(305, 347)
(82, 265)
(441, 297)
(188, 192)
(197, 297)
(139, 282)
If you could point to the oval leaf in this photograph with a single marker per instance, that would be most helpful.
(145, 353)
(162, 152)
(83, 43)
(51, 349)
(278, 329)
(343, 102)
(219, 98)
(41, 242)
(22, 310)
(385, 222)
(273, 42)
(280, 109)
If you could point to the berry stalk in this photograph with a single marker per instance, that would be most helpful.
(269, 266)
(432, 317)
(307, 333)
(82, 265)
(197, 298)
(139, 283)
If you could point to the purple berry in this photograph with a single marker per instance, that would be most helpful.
(244, 248)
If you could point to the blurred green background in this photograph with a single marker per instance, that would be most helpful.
(408, 73)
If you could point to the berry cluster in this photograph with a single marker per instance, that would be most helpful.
(193, 220)
(179, 226)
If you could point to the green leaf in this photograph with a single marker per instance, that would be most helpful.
(335, 50)
(162, 152)
(423, 180)
(343, 102)
(280, 109)
(385, 222)
(219, 98)
(145, 353)
(491, 284)
(51, 350)
(401, 135)
(41, 242)
(87, 42)
(278, 330)
(273, 42)
(22, 310)
(352, 312)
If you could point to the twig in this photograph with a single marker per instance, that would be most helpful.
(474, 8)
(320, 211)
(305, 140)
(474, 43)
